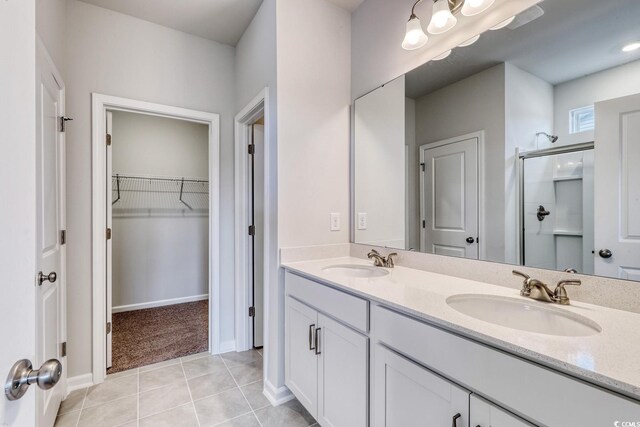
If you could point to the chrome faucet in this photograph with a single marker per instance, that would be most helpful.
(381, 261)
(535, 289)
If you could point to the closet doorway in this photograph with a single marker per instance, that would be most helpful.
(157, 254)
(156, 268)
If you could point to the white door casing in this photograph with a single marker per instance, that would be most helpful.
(257, 204)
(50, 221)
(449, 205)
(109, 242)
(617, 187)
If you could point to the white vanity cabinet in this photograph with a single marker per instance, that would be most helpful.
(326, 358)
(486, 414)
(407, 394)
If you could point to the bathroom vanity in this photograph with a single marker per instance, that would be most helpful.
(400, 347)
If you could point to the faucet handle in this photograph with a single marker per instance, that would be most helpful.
(521, 274)
(560, 293)
(390, 263)
(372, 252)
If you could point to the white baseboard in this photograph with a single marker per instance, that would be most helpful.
(79, 382)
(159, 303)
(277, 396)
(227, 346)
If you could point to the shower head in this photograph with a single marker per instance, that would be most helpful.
(551, 138)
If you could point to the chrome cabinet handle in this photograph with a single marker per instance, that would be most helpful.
(22, 375)
(51, 277)
(317, 341)
(311, 347)
(455, 419)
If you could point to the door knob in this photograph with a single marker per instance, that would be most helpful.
(51, 277)
(470, 240)
(605, 253)
(22, 375)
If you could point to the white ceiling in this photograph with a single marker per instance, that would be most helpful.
(223, 21)
(349, 5)
(572, 39)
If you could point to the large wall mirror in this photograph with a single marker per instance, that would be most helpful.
(523, 148)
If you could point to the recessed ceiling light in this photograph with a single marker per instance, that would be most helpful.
(631, 47)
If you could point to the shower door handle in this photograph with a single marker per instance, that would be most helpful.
(605, 253)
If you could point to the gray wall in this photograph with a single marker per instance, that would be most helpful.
(474, 104)
(146, 62)
(159, 256)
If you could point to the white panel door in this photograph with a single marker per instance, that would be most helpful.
(342, 383)
(257, 183)
(406, 394)
(50, 213)
(301, 360)
(449, 198)
(617, 188)
(109, 244)
(484, 414)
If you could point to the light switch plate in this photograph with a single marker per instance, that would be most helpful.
(362, 221)
(335, 222)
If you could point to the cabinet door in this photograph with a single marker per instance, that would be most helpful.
(343, 372)
(301, 361)
(485, 414)
(407, 394)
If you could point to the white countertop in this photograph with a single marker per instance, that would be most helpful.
(610, 358)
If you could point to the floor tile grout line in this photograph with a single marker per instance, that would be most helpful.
(242, 392)
(193, 405)
(84, 399)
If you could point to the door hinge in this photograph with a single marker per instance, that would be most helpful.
(63, 123)
(252, 230)
(251, 149)
(424, 224)
(108, 328)
(422, 165)
(252, 312)
(108, 234)
(108, 139)
(63, 237)
(63, 349)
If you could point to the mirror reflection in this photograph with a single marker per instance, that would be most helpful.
(521, 148)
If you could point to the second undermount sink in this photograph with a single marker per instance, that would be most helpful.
(356, 270)
(523, 315)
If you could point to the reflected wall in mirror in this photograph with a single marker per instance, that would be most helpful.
(522, 148)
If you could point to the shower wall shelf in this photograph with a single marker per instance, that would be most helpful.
(161, 194)
(567, 178)
(567, 233)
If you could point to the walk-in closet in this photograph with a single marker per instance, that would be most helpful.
(158, 254)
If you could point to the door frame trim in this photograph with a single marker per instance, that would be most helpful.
(256, 108)
(99, 105)
(480, 136)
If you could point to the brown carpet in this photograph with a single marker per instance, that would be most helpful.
(143, 337)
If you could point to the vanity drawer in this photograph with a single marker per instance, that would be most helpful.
(534, 392)
(347, 308)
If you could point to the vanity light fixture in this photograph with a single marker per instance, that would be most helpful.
(442, 56)
(442, 20)
(414, 37)
(631, 47)
(469, 42)
(474, 7)
(503, 24)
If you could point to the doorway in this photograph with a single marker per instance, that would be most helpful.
(148, 196)
(157, 248)
(449, 202)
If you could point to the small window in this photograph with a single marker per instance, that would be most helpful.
(582, 119)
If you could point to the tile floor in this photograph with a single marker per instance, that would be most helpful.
(198, 390)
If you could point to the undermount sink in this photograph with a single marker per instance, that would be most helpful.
(356, 270)
(523, 315)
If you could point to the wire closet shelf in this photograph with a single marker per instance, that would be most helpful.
(134, 194)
